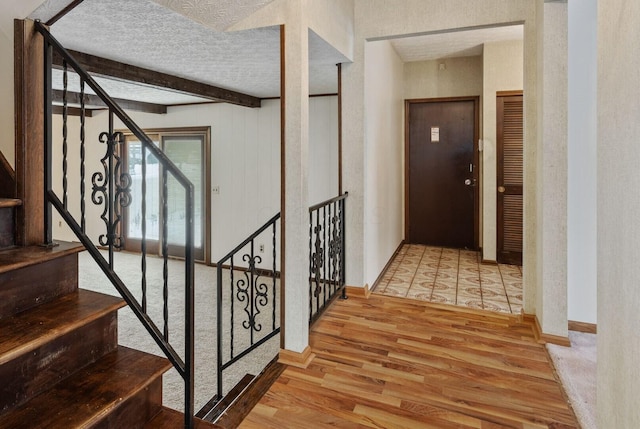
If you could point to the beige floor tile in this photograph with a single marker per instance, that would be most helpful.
(452, 276)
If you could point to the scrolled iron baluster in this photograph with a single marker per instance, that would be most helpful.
(253, 293)
(100, 191)
(122, 197)
(317, 259)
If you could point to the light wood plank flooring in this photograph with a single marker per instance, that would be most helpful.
(387, 362)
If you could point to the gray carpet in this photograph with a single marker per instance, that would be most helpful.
(576, 366)
(132, 334)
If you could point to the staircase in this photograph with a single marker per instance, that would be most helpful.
(60, 364)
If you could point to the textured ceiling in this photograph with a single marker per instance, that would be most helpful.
(217, 14)
(147, 34)
(185, 38)
(453, 44)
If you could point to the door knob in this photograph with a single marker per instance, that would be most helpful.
(501, 189)
(470, 182)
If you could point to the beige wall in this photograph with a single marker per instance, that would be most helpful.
(503, 71)
(384, 193)
(618, 214)
(461, 77)
(9, 10)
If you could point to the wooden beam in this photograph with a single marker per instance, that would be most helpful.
(108, 68)
(73, 111)
(63, 12)
(94, 100)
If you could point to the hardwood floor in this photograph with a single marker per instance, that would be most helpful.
(388, 362)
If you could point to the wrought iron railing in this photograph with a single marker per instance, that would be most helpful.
(326, 254)
(248, 297)
(110, 189)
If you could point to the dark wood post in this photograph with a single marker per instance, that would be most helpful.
(30, 129)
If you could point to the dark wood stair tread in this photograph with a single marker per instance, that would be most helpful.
(27, 330)
(172, 419)
(88, 397)
(216, 406)
(20, 257)
(9, 202)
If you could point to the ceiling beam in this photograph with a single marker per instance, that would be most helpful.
(114, 69)
(95, 101)
(63, 12)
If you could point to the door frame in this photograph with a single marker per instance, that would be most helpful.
(476, 160)
(206, 131)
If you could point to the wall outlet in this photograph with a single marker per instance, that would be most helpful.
(215, 190)
(261, 248)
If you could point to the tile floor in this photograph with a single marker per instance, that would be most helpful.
(452, 276)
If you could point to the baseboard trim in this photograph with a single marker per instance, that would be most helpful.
(587, 328)
(360, 292)
(299, 360)
(541, 337)
(488, 262)
(386, 267)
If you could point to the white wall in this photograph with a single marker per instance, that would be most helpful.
(323, 149)
(618, 213)
(503, 71)
(245, 162)
(583, 160)
(383, 155)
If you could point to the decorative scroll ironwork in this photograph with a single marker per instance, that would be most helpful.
(115, 182)
(253, 292)
(317, 260)
(249, 288)
(326, 254)
(335, 246)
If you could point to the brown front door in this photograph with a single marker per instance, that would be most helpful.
(442, 196)
(509, 151)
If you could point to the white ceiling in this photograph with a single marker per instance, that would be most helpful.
(186, 38)
(462, 43)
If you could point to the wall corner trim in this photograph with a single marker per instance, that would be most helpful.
(299, 360)
(541, 337)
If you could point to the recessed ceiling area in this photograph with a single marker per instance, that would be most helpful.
(460, 43)
(153, 35)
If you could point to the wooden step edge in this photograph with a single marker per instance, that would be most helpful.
(216, 406)
(168, 418)
(9, 202)
(89, 396)
(20, 257)
(240, 408)
(42, 330)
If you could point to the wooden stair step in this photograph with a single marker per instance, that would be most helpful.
(123, 389)
(216, 406)
(48, 273)
(43, 345)
(240, 407)
(21, 257)
(172, 419)
(9, 202)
